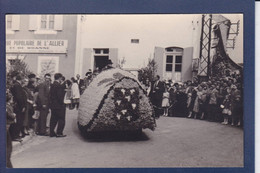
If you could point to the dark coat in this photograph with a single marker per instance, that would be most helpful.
(57, 96)
(19, 97)
(157, 93)
(81, 85)
(43, 95)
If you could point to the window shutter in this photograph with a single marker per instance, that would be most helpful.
(58, 22)
(33, 22)
(15, 22)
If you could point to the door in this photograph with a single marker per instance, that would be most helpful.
(100, 61)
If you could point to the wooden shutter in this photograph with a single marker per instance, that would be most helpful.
(58, 22)
(113, 55)
(160, 60)
(33, 22)
(15, 22)
(186, 72)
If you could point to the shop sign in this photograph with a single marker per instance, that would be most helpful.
(36, 46)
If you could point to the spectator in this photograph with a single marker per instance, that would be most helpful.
(88, 78)
(19, 98)
(58, 108)
(43, 104)
(75, 93)
(81, 84)
(29, 108)
(156, 95)
(226, 109)
(236, 105)
(212, 107)
(10, 119)
(165, 102)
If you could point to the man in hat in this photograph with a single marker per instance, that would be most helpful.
(109, 65)
(81, 84)
(156, 95)
(88, 77)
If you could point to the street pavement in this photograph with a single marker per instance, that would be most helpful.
(176, 142)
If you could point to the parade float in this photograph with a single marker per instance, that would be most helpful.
(115, 101)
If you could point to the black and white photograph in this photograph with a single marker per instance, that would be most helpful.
(124, 90)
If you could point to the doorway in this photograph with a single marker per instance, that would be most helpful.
(100, 62)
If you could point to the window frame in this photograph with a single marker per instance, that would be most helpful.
(178, 63)
(169, 63)
(7, 28)
(101, 51)
(40, 30)
(47, 20)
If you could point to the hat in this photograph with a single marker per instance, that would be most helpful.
(30, 76)
(109, 61)
(14, 73)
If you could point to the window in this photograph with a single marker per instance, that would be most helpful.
(48, 64)
(9, 22)
(178, 59)
(101, 51)
(106, 51)
(12, 61)
(177, 67)
(47, 22)
(169, 61)
(169, 49)
(97, 51)
(135, 41)
(12, 23)
(178, 63)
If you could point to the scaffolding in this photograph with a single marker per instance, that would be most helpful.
(205, 46)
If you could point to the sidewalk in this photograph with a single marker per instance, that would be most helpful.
(26, 139)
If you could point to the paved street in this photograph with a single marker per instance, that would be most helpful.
(176, 142)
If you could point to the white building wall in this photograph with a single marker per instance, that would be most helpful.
(116, 31)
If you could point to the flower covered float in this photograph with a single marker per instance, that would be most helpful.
(115, 101)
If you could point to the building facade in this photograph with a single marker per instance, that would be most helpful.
(174, 63)
(46, 43)
(96, 58)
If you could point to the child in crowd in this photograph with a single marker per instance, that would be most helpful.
(165, 102)
(226, 109)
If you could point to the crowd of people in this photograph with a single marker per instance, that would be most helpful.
(30, 100)
(218, 99)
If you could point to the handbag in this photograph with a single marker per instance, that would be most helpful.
(36, 115)
(225, 111)
(66, 99)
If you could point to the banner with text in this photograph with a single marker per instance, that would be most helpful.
(36, 46)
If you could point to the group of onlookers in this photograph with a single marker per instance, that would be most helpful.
(30, 99)
(218, 99)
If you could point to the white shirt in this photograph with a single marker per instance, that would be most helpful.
(75, 91)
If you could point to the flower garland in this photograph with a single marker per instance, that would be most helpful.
(124, 106)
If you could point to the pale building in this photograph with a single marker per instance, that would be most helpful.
(47, 43)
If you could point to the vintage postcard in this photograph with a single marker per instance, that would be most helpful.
(140, 89)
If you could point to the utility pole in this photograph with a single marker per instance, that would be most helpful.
(205, 45)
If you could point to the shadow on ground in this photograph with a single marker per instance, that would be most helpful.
(109, 136)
